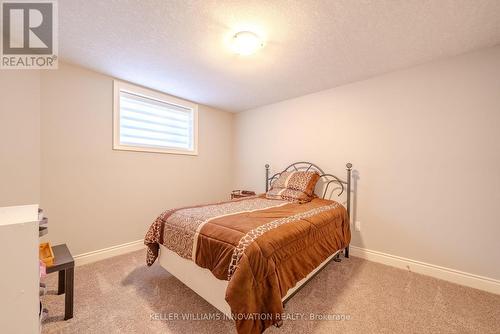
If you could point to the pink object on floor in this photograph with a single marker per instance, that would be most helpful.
(43, 269)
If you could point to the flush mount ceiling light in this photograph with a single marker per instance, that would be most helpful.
(246, 43)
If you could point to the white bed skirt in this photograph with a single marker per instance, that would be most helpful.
(205, 284)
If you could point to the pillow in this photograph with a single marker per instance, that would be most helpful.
(290, 195)
(294, 186)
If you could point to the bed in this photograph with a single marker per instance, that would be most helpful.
(247, 257)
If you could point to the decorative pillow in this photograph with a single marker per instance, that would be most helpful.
(294, 186)
(288, 195)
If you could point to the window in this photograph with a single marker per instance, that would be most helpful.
(145, 120)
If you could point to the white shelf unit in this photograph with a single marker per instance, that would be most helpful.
(20, 275)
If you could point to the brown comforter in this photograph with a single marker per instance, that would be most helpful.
(262, 246)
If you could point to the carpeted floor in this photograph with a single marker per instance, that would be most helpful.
(120, 294)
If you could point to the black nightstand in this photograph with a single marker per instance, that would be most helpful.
(65, 265)
(241, 193)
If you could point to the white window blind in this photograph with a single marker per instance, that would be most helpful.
(151, 124)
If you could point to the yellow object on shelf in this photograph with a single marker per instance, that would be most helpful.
(46, 254)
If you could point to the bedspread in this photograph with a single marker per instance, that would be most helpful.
(263, 247)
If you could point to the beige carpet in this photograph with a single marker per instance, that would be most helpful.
(119, 295)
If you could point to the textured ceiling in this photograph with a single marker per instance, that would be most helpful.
(179, 46)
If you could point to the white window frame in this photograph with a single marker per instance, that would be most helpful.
(120, 86)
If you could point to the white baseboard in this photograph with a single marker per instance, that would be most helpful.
(447, 274)
(105, 253)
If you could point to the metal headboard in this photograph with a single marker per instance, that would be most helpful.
(327, 179)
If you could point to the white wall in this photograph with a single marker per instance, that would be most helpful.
(424, 141)
(96, 197)
(426, 145)
(19, 137)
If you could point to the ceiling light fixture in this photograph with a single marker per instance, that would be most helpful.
(246, 43)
